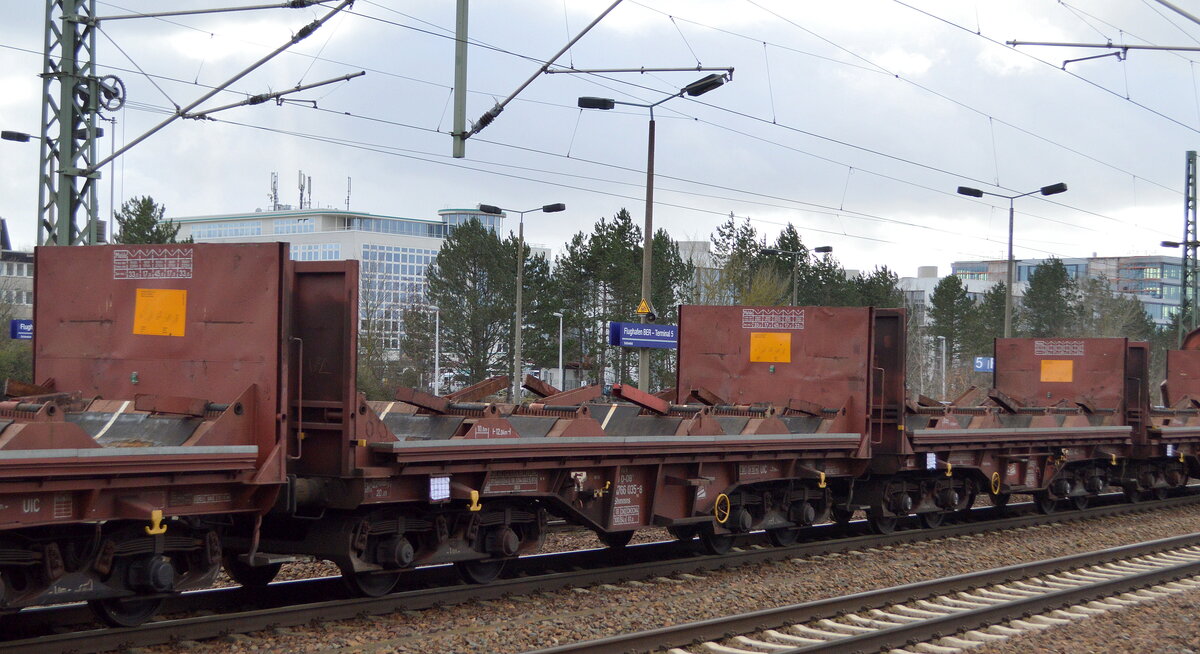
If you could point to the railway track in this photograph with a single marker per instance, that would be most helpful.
(301, 602)
(968, 607)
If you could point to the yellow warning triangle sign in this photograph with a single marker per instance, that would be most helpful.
(644, 307)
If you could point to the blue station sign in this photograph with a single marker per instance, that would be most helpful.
(21, 330)
(985, 364)
(634, 334)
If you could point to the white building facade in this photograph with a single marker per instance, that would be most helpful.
(394, 253)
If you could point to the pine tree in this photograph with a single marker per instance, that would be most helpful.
(951, 310)
(474, 275)
(986, 323)
(1102, 313)
(1049, 303)
(140, 220)
(737, 253)
(879, 288)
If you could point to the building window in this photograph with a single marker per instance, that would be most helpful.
(294, 225)
(315, 252)
(489, 220)
(392, 278)
(398, 226)
(224, 230)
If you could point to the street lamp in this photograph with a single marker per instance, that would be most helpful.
(22, 137)
(942, 342)
(437, 345)
(1186, 279)
(1008, 295)
(697, 88)
(795, 254)
(562, 380)
(497, 211)
(437, 351)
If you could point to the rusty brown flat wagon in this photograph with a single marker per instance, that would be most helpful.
(197, 405)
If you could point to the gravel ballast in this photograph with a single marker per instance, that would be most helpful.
(551, 618)
(1165, 626)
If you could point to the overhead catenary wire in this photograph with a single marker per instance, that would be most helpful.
(447, 33)
(1149, 181)
(742, 133)
(742, 191)
(875, 67)
(1089, 82)
(438, 159)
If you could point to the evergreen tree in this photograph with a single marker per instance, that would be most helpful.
(794, 269)
(1049, 303)
(672, 281)
(879, 288)
(417, 344)
(986, 323)
(823, 283)
(1102, 313)
(474, 275)
(539, 331)
(598, 280)
(951, 311)
(140, 220)
(600, 275)
(737, 253)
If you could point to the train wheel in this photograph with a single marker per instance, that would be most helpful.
(684, 534)
(250, 576)
(884, 524)
(370, 584)
(841, 516)
(616, 539)
(931, 519)
(784, 536)
(714, 543)
(124, 611)
(1000, 501)
(1160, 493)
(479, 572)
(1044, 503)
(964, 507)
(1081, 501)
(1133, 495)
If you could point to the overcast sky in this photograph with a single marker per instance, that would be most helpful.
(855, 121)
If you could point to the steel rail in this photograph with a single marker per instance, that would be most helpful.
(685, 560)
(883, 639)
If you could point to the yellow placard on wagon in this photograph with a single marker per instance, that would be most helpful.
(1058, 370)
(771, 347)
(160, 312)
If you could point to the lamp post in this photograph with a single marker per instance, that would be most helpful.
(942, 343)
(697, 88)
(1186, 279)
(497, 211)
(1008, 295)
(436, 386)
(437, 351)
(562, 380)
(824, 249)
(19, 137)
